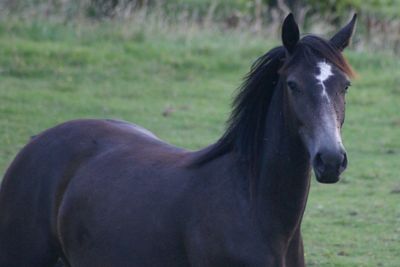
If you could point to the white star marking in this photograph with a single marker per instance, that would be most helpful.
(325, 71)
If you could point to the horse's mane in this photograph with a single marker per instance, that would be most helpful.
(245, 127)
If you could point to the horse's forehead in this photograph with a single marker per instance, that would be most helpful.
(324, 71)
(317, 71)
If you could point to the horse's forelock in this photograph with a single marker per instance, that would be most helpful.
(313, 45)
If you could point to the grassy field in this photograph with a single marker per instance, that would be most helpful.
(179, 85)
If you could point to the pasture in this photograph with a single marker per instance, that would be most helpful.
(179, 85)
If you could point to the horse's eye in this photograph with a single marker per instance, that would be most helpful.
(292, 86)
(346, 88)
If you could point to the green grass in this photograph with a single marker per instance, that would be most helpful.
(51, 73)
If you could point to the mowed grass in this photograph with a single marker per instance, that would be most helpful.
(179, 85)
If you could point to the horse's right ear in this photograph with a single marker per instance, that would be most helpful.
(290, 33)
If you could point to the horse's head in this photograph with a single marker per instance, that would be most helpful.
(315, 77)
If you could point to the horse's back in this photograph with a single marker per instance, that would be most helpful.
(74, 165)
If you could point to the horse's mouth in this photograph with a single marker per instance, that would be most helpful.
(327, 178)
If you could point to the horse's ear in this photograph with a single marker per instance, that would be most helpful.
(342, 39)
(290, 33)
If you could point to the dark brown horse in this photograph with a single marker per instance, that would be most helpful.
(109, 193)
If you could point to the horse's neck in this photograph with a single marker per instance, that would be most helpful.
(283, 184)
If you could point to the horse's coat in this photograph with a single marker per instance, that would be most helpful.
(109, 193)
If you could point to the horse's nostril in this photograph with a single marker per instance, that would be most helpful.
(324, 161)
(344, 161)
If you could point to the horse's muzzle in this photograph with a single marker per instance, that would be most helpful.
(328, 165)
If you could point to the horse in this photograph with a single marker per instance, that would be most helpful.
(110, 193)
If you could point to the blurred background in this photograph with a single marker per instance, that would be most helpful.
(173, 67)
(379, 24)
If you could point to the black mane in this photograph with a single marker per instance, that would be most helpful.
(245, 127)
(246, 124)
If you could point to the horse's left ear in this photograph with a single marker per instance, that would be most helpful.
(290, 33)
(342, 39)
